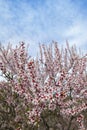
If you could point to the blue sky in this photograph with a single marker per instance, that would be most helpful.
(41, 21)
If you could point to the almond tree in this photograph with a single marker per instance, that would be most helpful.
(53, 85)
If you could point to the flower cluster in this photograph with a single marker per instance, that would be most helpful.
(55, 80)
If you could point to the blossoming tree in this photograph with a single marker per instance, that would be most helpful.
(53, 85)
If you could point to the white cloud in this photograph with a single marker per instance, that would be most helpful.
(51, 20)
(77, 34)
